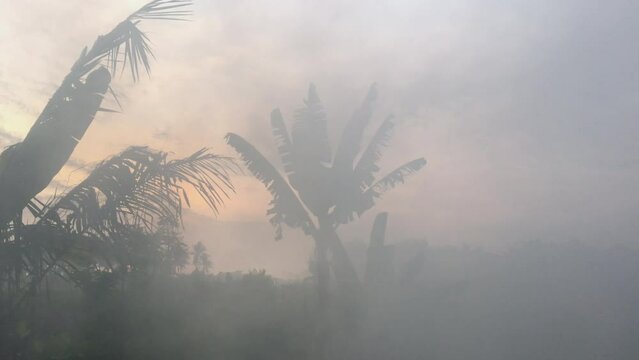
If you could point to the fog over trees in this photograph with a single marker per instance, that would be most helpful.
(153, 209)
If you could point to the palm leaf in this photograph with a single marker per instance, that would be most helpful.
(351, 139)
(283, 142)
(137, 50)
(285, 207)
(139, 186)
(367, 165)
(311, 176)
(355, 200)
(207, 173)
(397, 176)
(164, 10)
(310, 134)
(348, 192)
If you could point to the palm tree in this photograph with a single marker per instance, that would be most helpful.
(26, 168)
(102, 223)
(323, 191)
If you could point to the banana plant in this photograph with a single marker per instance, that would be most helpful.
(319, 191)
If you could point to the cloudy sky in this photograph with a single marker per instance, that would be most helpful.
(525, 110)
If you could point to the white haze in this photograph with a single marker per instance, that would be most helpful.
(526, 111)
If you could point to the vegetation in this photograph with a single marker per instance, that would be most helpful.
(102, 271)
(320, 195)
(122, 197)
(535, 301)
(123, 218)
(26, 168)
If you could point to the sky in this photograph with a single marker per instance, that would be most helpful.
(525, 111)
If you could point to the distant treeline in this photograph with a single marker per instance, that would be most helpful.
(536, 301)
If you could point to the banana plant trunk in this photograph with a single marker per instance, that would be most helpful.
(341, 264)
(322, 268)
(327, 241)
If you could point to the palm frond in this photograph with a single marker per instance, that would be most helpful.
(136, 52)
(367, 164)
(208, 174)
(354, 200)
(164, 10)
(310, 134)
(397, 176)
(126, 43)
(139, 186)
(283, 142)
(312, 175)
(351, 139)
(285, 207)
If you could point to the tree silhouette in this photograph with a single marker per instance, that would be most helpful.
(122, 212)
(174, 253)
(26, 168)
(323, 191)
(201, 259)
